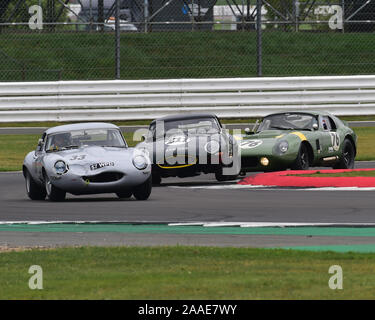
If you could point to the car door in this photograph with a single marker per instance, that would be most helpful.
(329, 138)
(38, 156)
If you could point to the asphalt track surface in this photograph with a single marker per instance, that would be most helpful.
(179, 200)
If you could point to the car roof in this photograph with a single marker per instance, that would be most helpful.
(81, 126)
(185, 116)
(310, 112)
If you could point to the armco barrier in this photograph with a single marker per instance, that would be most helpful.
(150, 99)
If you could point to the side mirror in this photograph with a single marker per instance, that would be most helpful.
(315, 126)
(248, 131)
(40, 145)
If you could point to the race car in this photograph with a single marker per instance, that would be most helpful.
(298, 140)
(86, 158)
(188, 145)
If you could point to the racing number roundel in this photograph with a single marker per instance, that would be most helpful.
(176, 140)
(335, 140)
(249, 144)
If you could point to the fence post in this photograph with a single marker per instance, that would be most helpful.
(146, 13)
(118, 38)
(259, 38)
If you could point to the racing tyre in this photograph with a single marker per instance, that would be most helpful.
(33, 190)
(302, 160)
(124, 194)
(156, 178)
(347, 158)
(221, 177)
(53, 193)
(143, 191)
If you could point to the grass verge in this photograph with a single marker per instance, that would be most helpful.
(13, 148)
(147, 122)
(185, 273)
(319, 174)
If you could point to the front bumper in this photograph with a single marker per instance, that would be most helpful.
(253, 163)
(91, 184)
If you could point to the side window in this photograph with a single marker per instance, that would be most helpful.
(332, 123)
(41, 143)
(325, 123)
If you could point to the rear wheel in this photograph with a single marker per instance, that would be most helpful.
(33, 190)
(53, 193)
(124, 194)
(347, 158)
(302, 161)
(143, 191)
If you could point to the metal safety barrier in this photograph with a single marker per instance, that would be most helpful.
(150, 99)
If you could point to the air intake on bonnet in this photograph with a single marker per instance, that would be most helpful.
(104, 177)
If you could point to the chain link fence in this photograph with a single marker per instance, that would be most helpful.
(42, 40)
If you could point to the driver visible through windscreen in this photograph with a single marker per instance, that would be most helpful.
(187, 127)
(82, 138)
(288, 121)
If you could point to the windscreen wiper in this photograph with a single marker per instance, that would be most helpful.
(283, 128)
(69, 147)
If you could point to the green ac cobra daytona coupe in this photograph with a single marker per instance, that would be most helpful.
(298, 140)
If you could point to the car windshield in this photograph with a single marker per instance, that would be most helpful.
(288, 121)
(188, 127)
(81, 138)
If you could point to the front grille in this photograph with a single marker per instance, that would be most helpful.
(104, 177)
(249, 162)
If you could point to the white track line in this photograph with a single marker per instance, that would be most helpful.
(272, 224)
(244, 224)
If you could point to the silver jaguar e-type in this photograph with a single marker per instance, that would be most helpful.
(86, 158)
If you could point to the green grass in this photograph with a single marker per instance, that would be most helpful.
(319, 174)
(13, 148)
(118, 123)
(147, 122)
(365, 143)
(185, 273)
(79, 56)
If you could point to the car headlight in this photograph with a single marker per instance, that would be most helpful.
(283, 146)
(61, 167)
(140, 162)
(212, 147)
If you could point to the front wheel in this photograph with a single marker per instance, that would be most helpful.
(143, 191)
(302, 161)
(347, 158)
(33, 190)
(53, 193)
(156, 178)
(124, 194)
(221, 177)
